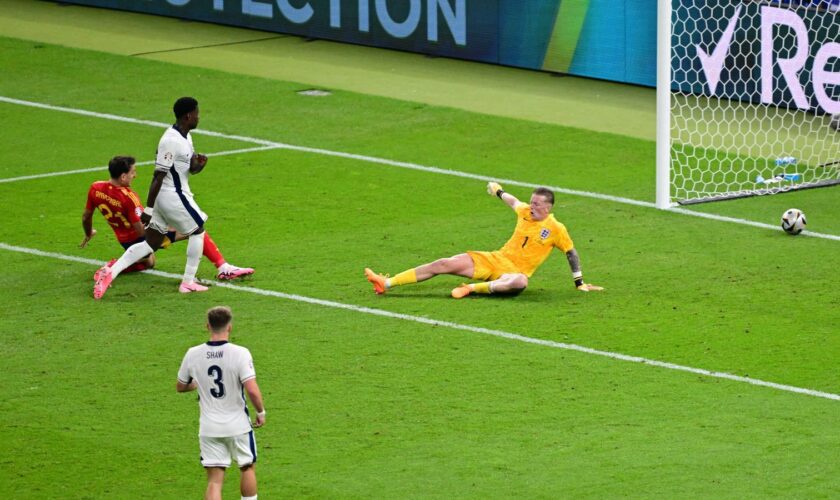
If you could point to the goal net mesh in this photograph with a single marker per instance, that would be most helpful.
(754, 87)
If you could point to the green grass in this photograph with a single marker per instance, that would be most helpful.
(362, 405)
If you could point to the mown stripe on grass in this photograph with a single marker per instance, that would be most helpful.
(449, 324)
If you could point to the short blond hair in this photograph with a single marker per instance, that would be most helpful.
(219, 317)
(545, 193)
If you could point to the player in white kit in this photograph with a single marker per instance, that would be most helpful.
(220, 370)
(170, 203)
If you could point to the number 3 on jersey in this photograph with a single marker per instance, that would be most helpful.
(219, 390)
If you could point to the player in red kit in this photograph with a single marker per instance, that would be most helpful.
(122, 209)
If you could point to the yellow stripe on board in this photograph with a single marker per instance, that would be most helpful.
(564, 38)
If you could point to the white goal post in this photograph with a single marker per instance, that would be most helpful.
(746, 95)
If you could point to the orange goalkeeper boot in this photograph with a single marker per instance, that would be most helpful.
(377, 280)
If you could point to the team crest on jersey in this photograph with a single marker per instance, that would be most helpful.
(544, 233)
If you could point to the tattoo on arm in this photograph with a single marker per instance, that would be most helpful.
(574, 260)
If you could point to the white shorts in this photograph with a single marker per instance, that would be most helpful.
(178, 211)
(217, 451)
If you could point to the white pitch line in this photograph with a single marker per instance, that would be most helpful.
(412, 166)
(32, 104)
(466, 175)
(139, 164)
(150, 123)
(762, 225)
(326, 152)
(62, 172)
(455, 326)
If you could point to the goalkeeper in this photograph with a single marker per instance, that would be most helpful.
(506, 270)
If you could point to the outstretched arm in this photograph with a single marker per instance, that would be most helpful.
(495, 189)
(574, 264)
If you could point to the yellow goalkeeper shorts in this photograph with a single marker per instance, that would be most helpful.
(489, 266)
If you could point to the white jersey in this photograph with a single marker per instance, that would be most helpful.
(173, 157)
(220, 368)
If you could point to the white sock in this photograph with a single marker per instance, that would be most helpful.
(250, 498)
(195, 247)
(134, 253)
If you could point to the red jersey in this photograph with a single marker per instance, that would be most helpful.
(119, 205)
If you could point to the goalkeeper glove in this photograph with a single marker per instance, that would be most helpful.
(584, 287)
(494, 188)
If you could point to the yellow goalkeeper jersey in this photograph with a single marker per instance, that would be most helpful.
(532, 241)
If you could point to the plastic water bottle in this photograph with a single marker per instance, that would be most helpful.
(785, 161)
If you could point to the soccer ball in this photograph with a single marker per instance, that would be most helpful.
(793, 221)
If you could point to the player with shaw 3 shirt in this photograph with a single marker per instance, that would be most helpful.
(222, 373)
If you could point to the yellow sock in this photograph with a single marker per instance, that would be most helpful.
(404, 278)
(483, 287)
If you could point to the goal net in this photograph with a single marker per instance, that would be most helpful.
(754, 85)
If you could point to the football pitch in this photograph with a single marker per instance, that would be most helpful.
(707, 368)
